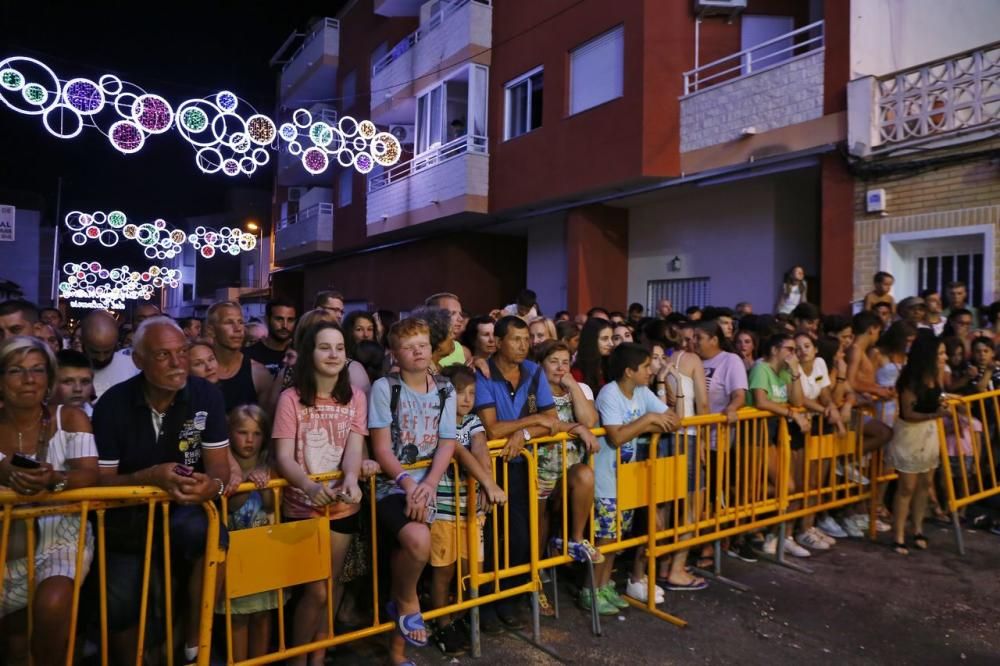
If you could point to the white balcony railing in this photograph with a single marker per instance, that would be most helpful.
(317, 31)
(749, 61)
(956, 93)
(460, 146)
(310, 215)
(444, 9)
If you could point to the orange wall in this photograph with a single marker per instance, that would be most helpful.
(596, 258)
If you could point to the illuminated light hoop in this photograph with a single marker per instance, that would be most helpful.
(37, 107)
(11, 79)
(352, 122)
(63, 110)
(261, 129)
(302, 117)
(83, 95)
(127, 137)
(110, 84)
(364, 163)
(152, 113)
(288, 132)
(314, 160)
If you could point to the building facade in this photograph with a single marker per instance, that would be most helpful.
(599, 153)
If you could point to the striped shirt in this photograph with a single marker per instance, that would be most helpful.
(446, 487)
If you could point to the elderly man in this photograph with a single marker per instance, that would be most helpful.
(162, 428)
(99, 340)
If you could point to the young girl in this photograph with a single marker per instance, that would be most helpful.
(793, 290)
(591, 365)
(746, 348)
(319, 427)
(249, 432)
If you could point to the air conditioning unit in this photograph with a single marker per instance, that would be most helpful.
(403, 133)
(729, 8)
(295, 193)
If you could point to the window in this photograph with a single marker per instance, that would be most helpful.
(344, 184)
(430, 120)
(597, 71)
(188, 291)
(348, 90)
(682, 293)
(452, 110)
(523, 104)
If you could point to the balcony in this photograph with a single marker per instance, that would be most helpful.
(290, 172)
(306, 233)
(774, 84)
(398, 7)
(451, 32)
(450, 180)
(311, 71)
(951, 100)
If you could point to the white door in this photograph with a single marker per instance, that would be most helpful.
(757, 29)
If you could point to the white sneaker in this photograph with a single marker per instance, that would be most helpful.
(639, 590)
(830, 541)
(854, 475)
(809, 539)
(829, 526)
(851, 527)
(794, 549)
(770, 544)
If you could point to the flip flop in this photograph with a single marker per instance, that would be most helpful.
(407, 624)
(920, 541)
(693, 586)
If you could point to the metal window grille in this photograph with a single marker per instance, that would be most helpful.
(682, 293)
(936, 271)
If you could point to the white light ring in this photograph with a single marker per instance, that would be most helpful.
(117, 219)
(230, 167)
(288, 132)
(138, 109)
(321, 134)
(110, 84)
(240, 142)
(108, 238)
(129, 149)
(225, 118)
(363, 163)
(186, 134)
(353, 124)
(367, 129)
(247, 242)
(339, 142)
(359, 144)
(200, 231)
(345, 158)
(99, 217)
(385, 148)
(261, 119)
(90, 279)
(12, 88)
(319, 159)
(29, 88)
(234, 250)
(260, 156)
(97, 88)
(54, 89)
(203, 161)
(75, 221)
(79, 238)
(302, 117)
(295, 148)
(224, 95)
(123, 104)
(69, 267)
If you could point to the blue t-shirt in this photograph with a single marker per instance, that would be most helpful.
(616, 410)
(421, 422)
(510, 402)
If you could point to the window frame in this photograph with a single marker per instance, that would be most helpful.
(620, 28)
(507, 88)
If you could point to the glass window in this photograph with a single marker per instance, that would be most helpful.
(597, 71)
(344, 184)
(348, 90)
(524, 97)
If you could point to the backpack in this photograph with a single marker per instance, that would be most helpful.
(444, 389)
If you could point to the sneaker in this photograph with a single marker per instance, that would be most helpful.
(742, 551)
(794, 549)
(829, 526)
(851, 527)
(611, 594)
(995, 529)
(854, 475)
(809, 539)
(830, 541)
(581, 551)
(639, 590)
(604, 607)
(450, 640)
(770, 544)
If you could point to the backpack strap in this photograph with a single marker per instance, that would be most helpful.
(444, 389)
(395, 387)
(531, 404)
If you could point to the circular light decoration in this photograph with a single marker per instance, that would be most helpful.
(35, 94)
(152, 113)
(288, 132)
(127, 137)
(385, 149)
(209, 160)
(227, 101)
(84, 95)
(302, 117)
(295, 148)
(367, 129)
(11, 79)
(363, 162)
(117, 219)
(26, 84)
(230, 167)
(62, 121)
(348, 126)
(194, 120)
(321, 134)
(260, 156)
(110, 84)
(315, 160)
(247, 242)
(239, 142)
(260, 129)
(207, 251)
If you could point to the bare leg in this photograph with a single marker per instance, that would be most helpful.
(441, 578)
(920, 501)
(53, 598)
(602, 571)
(581, 494)
(14, 638)
(901, 505)
(408, 561)
(339, 544)
(240, 637)
(259, 639)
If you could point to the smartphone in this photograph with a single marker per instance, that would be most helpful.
(24, 462)
(430, 514)
(183, 470)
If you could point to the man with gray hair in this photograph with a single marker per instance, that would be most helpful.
(99, 341)
(449, 302)
(163, 428)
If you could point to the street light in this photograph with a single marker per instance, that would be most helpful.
(251, 225)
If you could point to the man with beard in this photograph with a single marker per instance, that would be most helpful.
(99, 339)
(270, 350)
(243, 381)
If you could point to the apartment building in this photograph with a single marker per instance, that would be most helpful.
(600, 153)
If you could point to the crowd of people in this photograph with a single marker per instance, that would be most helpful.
(199, 407)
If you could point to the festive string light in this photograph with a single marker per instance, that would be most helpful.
(225, 140)
(103, 287)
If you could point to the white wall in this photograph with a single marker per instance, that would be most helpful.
(889, 35)
(743, 235)
(547, 262)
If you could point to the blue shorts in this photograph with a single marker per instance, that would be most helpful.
(605, 513)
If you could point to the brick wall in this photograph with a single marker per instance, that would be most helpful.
(944, 196)
(783, 95)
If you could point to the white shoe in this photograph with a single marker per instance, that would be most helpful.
(794, 549)
(854, 475)
(770, 544)
(639, 590)
(809, 539)
(830, 541)
(829, 526)
(882, 527)
(851, 527)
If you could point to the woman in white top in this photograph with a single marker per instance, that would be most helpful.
(794, 290)
(41, 452)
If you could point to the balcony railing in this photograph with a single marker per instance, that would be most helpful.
(317, 31)
(957, 93)
(755, 59)
(445, 9)
(310, 214)
(460, 146)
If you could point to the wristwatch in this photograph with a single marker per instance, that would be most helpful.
(58, 486)
(222, 487)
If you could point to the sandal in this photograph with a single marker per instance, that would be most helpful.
(695, 585)
(705, 563)
(407, 624)
(900, 548)
(545, 609)
(920, 541)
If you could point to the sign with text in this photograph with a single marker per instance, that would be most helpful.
(6, 223)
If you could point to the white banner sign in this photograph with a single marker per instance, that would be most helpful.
(6, 223)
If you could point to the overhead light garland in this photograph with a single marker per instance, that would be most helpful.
(227, 133)
(95, 286)
(158, 241)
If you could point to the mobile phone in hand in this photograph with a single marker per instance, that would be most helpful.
(183, 470)
(430, 514)
(24, 462)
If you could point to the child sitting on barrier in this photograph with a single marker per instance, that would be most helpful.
(249, 433)
(412, 420)
(447, 540)
(319, 427)
(628, 409)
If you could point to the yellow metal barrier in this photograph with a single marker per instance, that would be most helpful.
(80, 506)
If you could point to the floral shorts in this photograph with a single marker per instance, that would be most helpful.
(550, 466)
(605, 513)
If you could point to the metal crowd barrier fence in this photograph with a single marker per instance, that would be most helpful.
(68, 521)
(970, 453)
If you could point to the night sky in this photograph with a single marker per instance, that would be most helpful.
(180, 52)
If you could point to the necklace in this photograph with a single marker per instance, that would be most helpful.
(42, 431)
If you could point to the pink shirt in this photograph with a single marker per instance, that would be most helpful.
(320, 434)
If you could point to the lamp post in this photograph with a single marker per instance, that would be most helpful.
(252, 226)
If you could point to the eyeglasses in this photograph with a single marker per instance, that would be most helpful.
(21, 374)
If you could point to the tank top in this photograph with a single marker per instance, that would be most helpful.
(239, 389)
(886, 375)
(686, 389)
(456, 357)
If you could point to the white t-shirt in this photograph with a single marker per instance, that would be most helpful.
(616, 410)
(815, 381)
(120, 369)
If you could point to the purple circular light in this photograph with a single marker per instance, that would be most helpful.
(315, 160)
(364, 162)
(84, 96)
(153, 113)
(127, 137)
(231, 167)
